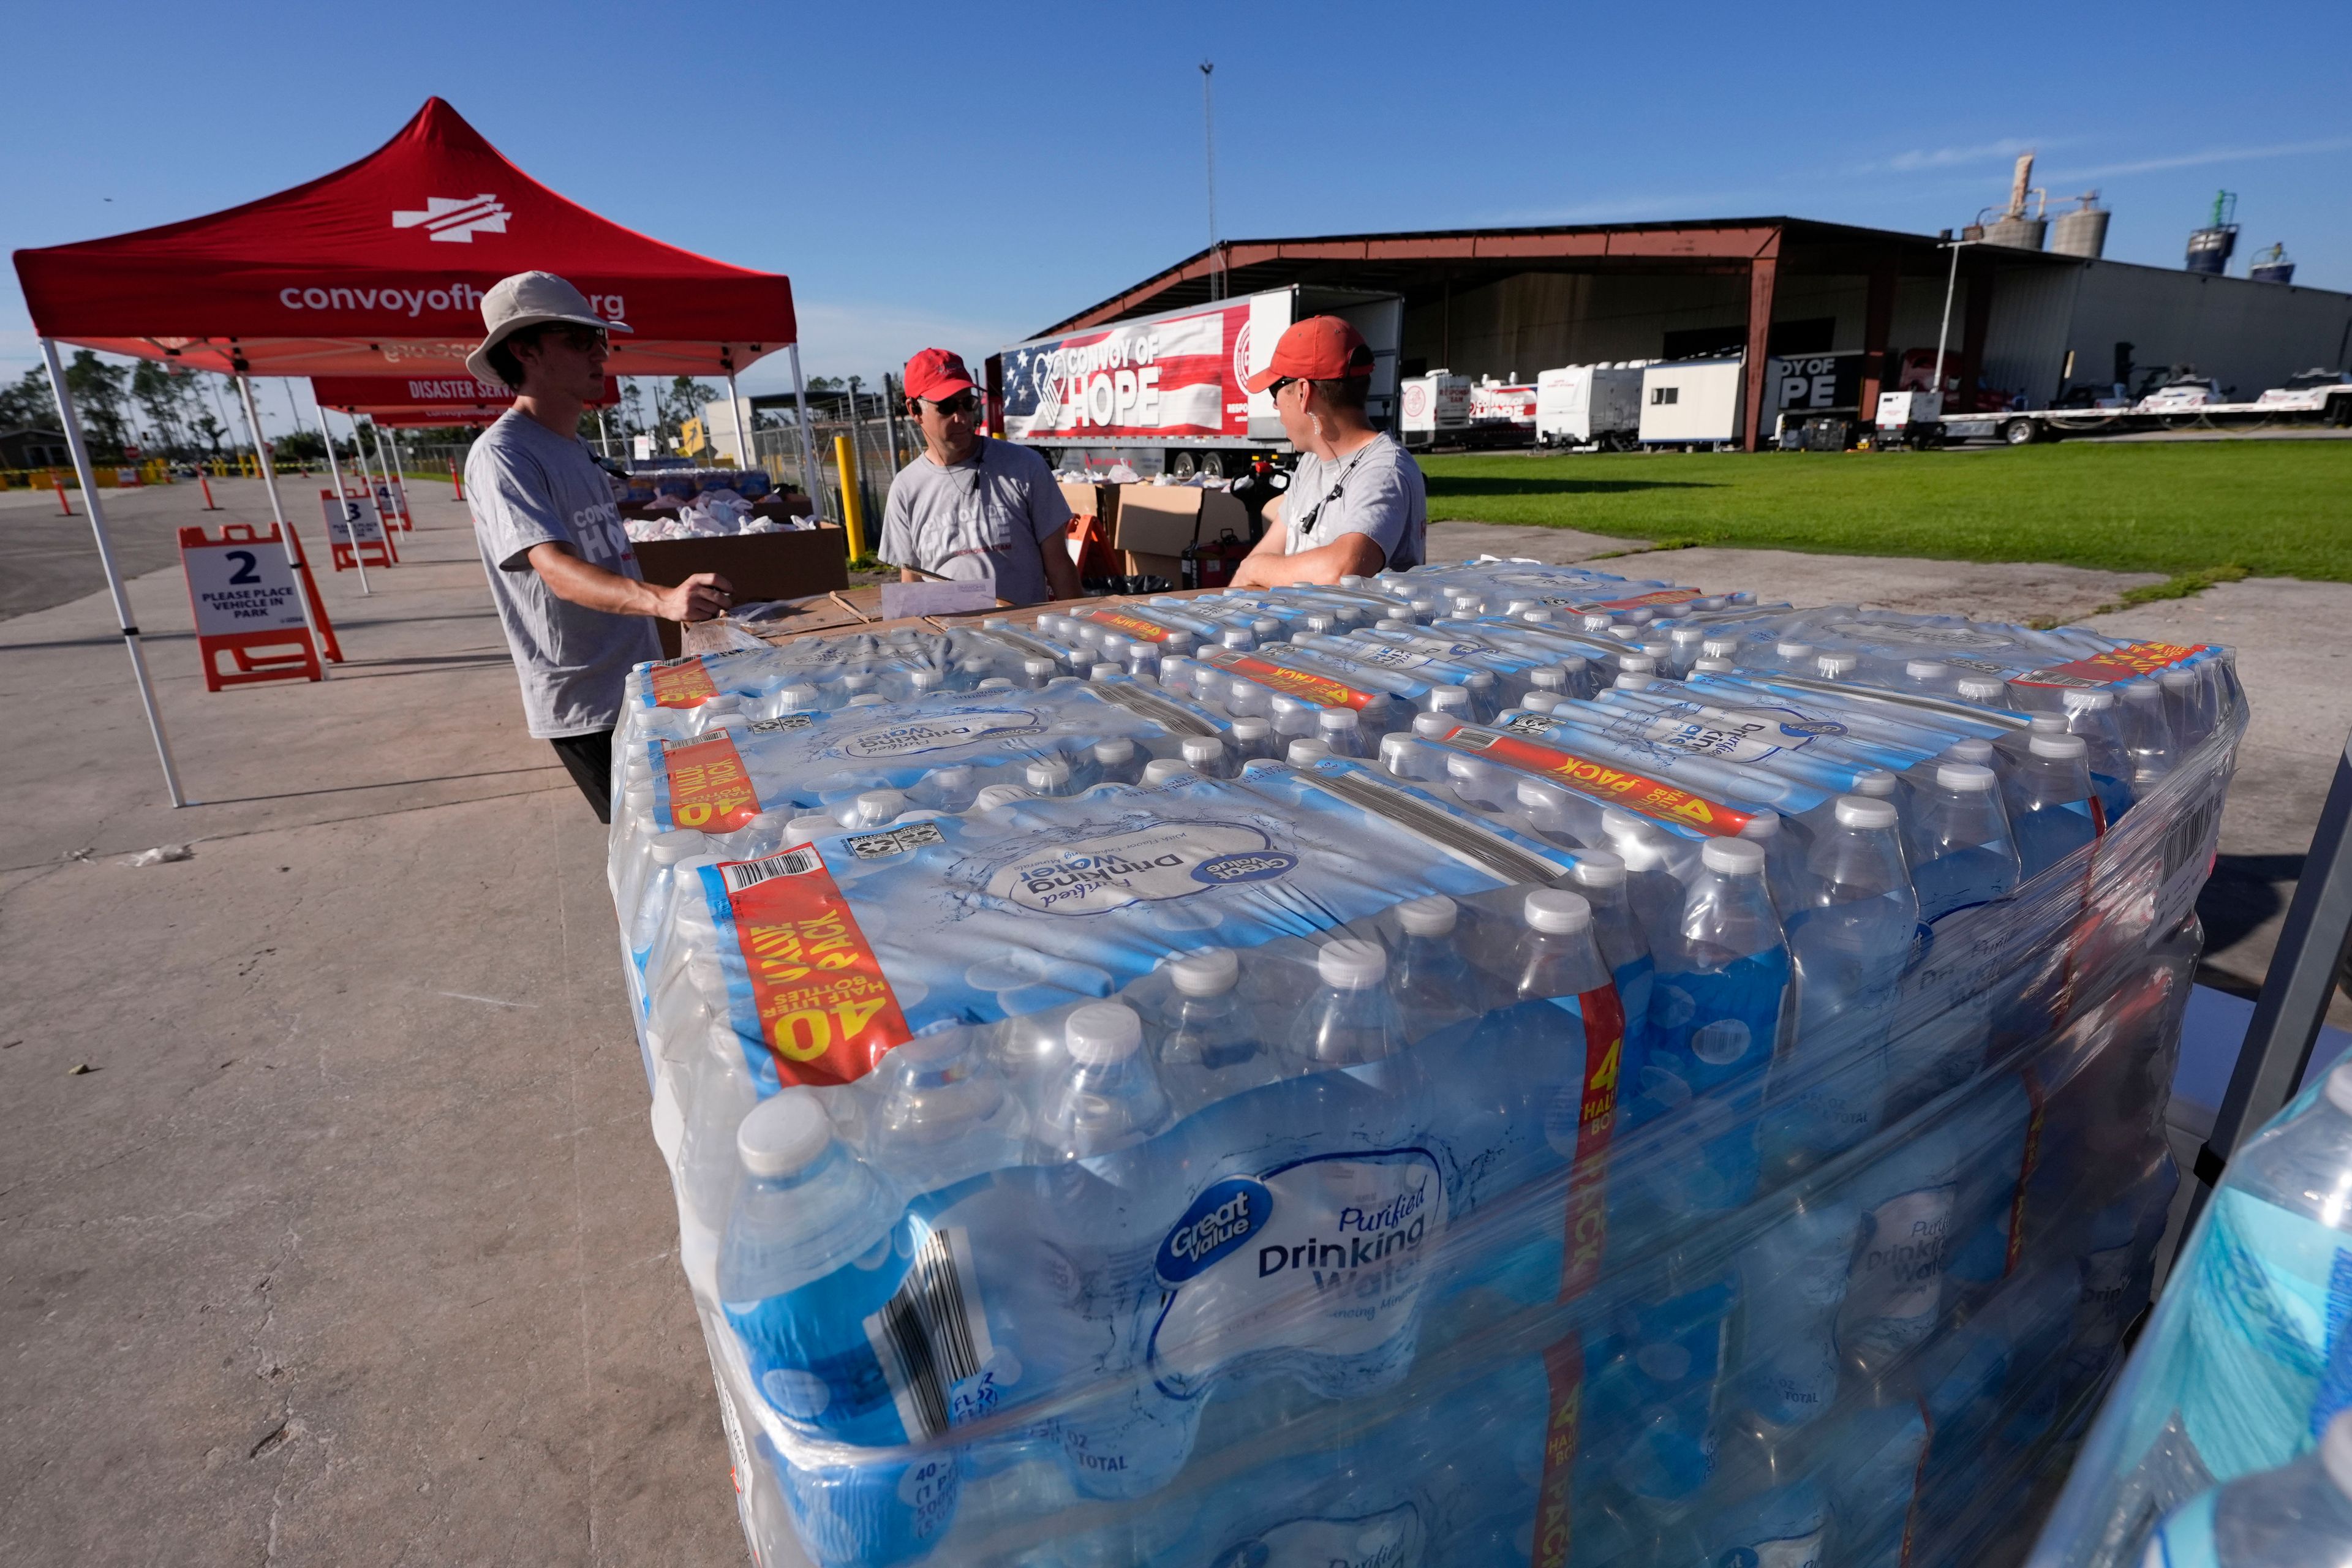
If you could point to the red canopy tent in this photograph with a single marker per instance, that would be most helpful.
(380, 269)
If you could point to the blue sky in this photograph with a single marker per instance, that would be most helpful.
(966, 174)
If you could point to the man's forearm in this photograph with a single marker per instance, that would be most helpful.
(576, 581)
(1061, 571)
(1350, 555)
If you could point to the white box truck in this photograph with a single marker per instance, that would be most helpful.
(1589, 406)
(1693, 402)
(1433, 408)
(1169, 384)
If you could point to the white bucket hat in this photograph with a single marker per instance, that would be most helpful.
(529, 300)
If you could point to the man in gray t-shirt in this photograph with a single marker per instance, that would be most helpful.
(568, 590)
(970, 509)
(1355, 504)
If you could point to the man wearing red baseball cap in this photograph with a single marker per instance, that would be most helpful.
(971, 508)
(1355, 504)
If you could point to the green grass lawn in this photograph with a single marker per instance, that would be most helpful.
(2280, 508)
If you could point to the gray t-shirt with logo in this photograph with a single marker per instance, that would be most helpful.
(1381, 496)
(526, 485)
(981, 521)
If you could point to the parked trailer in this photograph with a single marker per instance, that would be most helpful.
(1502, 413)
(1693, 402)
(1589, 406)
(1167, 389)
(1433, 409)
(1916, 418)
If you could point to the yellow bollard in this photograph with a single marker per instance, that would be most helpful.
(853, 512)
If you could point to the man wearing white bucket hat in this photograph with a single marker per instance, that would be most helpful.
(569, 592)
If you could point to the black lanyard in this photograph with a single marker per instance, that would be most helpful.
(1307, 523)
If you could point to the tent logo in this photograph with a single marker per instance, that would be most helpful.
(457, 220)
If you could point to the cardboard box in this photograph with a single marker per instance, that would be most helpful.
(1140, 564)
(1091, 501)
(758, 566)
(1162, 519)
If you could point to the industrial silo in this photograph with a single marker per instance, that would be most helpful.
(2083, 231)
(2210, 248)
(2270, 265)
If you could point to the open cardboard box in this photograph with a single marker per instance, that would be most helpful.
(1154, 523)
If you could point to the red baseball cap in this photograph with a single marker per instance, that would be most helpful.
(936, 375)
(1320, 348)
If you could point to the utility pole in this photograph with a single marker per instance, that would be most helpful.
(1209, 136)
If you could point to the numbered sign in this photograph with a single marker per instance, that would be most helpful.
(248, 607)
(355, 530)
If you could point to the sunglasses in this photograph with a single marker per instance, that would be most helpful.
(583, 339)
(1275, 391)
(962, 403)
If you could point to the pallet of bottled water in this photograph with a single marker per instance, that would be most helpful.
(1491, 1064)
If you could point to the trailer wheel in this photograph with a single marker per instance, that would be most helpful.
(1182, 465)
(2019, 433)
(1212, 465)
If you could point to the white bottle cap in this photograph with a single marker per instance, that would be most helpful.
(1713, 666)
(1794, 649)
(800, 829)
(638, 797)
(1548, 677)
(783, 1134)
(1394, 749)
(1987, 690)
(1968, 778)
(1832, 666)
(1599, 869)
(1762, 828)
(1115, 645)
(857, 682)
(1305, 754)
(1658, 651)
(1682, 637)
(1556, 912)
(1541, 701)
(2090, 702)
(1875, 783)
(1038, 668)
(2171, 680)
(1106, 672)
(997, 794)
(1637, 664)
(1479, 680)
(1539, 617)
(1720, 648)
(1969, 751)
(1177, 642)
(1101, 1033)
(1250, 732)
(867, 699)
(1432, 916)
(1927, 670)
(1159, 770)
(1208, 972)
(798, 698)
(1447, 698)
(720, 724)
(1336, 719)
(1517, 607)
(1046, 773)
(1862, 811)
(669, 849)
(2143, 691)
(2045, 724)
(1266, 626)
(880, 805)
(1733, 857)
(1429, 726)
(1201, 748)
(994, 683)
(1236, 638)
(925, 679)
(1634, 682)
(723, 702)
(1114, 753)
(1352, 963)
(2071, 747)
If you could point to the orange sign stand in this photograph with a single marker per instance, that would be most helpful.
(355, 530)
(244, 594)
(326, 643)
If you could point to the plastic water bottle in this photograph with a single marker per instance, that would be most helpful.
(1715, 1013)
(1930, 676)
(1119, 761)
(1106, 1097)
(2092, 715)
(1599, 875)
(1429, 977)
(810, 1206)
(1305, 754)
(945, 1114)
(1961, 851)
(1252, 739)
(1206, 755)
(2188, 707)
(1162, 770)
(2148, 733)
(1212, 1048)
(2296, 1516)
(1337, 729)
(1351, 1020)
(2049, 802)
(1793, 1278)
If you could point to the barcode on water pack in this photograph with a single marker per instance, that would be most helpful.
(798, 862)
(932, 1334)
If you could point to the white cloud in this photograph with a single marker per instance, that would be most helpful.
(2210, 155)
(1922, 158)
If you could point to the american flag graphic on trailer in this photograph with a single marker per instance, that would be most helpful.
(1151, 380)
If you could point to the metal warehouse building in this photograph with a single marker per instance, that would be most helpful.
(1507, 302)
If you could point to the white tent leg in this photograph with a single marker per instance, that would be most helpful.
(277, 513)
(89, 477)
(735, 413)
(335, 476)
(810, 479)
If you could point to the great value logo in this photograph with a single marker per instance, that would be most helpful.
(1220, 1219)
(939, 734)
